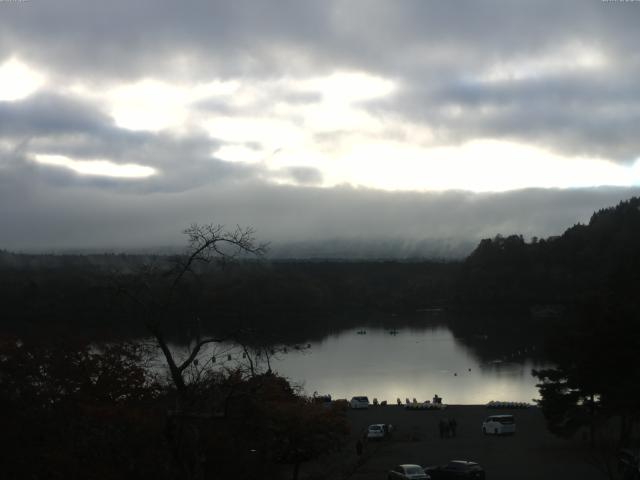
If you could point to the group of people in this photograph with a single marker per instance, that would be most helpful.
(447, 427)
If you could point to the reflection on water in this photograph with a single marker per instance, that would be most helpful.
(413, 362)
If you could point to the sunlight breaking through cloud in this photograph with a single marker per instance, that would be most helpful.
(348, 87)
(103, 168)
(18, 80)
(482, 165)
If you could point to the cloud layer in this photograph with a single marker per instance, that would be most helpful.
(265, 113)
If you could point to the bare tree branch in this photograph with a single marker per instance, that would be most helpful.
(196, 350)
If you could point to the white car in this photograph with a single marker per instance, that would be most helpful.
(376, 431)
(359, 402)
(499, 424)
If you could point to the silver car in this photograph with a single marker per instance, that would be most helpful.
(407, 471)
(376, 431)
(359, 402)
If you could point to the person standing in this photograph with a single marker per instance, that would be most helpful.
(453, 425)
(443, 427)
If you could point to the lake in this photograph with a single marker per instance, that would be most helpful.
(414, 362)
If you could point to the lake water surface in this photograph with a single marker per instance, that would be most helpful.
(414, 362)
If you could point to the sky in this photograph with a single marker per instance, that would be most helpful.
(364, 127)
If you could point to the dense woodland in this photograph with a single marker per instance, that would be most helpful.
(578, 289)
(82, 294)
(603, 255)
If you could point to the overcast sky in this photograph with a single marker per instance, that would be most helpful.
(333, 121)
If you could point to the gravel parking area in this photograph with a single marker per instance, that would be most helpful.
(532, 453)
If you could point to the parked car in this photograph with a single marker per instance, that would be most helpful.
(407, 472)
(378, 431)
(499, 424)
(359, 402)
(456, 469)
(322, 398)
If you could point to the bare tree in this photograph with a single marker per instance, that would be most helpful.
(157, 288)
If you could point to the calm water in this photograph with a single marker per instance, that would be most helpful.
(413, 363)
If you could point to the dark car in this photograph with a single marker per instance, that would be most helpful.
(456, 469)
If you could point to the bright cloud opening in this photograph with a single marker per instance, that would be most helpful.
(155, 105)
(479, 166)
(240, 153)
(283, 136)
(103, 168)
(148, 105)
(269, 133)
(348, 87)
(18, 81)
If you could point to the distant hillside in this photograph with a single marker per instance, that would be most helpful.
(602, 255)
(368, 249)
